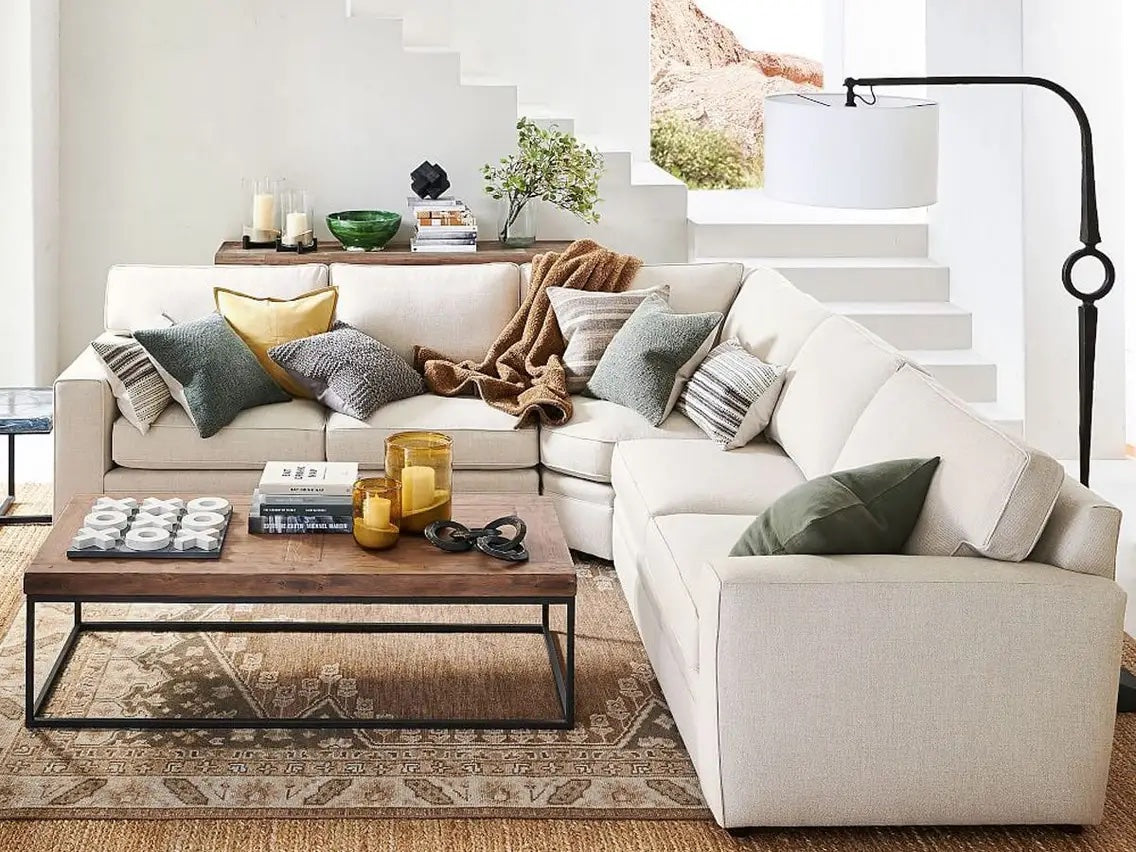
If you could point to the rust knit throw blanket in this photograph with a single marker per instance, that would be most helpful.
(522, 373)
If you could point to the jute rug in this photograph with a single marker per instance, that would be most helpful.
(625, 739)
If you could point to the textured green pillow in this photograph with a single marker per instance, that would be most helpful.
(210, 371)
(868, 509)
(651, 356)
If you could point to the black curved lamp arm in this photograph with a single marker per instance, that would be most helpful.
(1090, 227)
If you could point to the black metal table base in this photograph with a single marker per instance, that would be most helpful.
(563, 674)
(10, 498)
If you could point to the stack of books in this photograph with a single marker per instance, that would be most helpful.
(303, 497)
(442, 225)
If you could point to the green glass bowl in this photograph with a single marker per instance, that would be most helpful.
(369, 230)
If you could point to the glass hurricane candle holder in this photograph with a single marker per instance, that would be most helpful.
(377, 510)
(424, 463)
(264, 202)
(297, 219)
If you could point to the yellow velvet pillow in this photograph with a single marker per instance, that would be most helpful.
(264, 323)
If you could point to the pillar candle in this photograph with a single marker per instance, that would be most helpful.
(296, 225)
(417, 488)
(376, 511)
(264, 212)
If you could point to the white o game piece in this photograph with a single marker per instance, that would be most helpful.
(147, 538)
(202, 521)
(88, 538)
(187, 539)
(106, 519)
(209, 504)
(158, 506)
(144, 520)
(126, 504)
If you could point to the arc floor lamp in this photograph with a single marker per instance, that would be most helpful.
(879, 152)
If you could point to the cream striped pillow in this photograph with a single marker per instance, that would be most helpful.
(588, 321)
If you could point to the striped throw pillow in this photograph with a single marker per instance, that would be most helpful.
(732, 394)
(588, 321)
(136, 384)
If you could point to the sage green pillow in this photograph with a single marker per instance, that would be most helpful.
(868, 509)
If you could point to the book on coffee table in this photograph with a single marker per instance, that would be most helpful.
(315, 478)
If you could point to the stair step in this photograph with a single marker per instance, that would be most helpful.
(1005, 420)
(545, 117)
(861, 279)
(912, 325)
(808, 239)
(966, 372)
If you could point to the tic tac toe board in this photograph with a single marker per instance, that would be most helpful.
(152, 528)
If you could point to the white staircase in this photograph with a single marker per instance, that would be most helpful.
(642, 208)
(871, 267)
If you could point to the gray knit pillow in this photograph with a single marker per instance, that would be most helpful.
(650, 358)
(210, 371)
(348, 371)
(588, 321)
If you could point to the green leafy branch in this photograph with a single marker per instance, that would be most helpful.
(550, 165)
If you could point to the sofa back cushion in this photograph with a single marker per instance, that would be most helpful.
(829, 383)
(772, 318)
(137, 296)
(455, 309)
(695, 288)
(991, 495)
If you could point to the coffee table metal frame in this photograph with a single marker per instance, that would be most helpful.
(563, 676)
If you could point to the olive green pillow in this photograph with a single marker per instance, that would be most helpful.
(868, 509)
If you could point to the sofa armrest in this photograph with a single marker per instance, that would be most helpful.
(906, 689)
(85, 411)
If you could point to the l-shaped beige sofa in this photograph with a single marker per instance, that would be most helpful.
(972, 680)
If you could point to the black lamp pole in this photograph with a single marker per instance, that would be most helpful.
(1090, 239)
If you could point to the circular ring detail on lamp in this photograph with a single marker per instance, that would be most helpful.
(1105, 262)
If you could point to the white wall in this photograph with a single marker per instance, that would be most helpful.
(1129, 118)
(588, 60)
(976, 228)
(1081, 49)
(29, 177)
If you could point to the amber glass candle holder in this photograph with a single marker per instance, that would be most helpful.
(377, 510)
(424, 463)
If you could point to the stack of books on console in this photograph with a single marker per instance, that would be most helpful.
(294, 498)
(442, 225)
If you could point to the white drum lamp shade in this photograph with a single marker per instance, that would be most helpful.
(820, 152)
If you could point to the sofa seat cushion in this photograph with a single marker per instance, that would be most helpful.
(484, 438)
(676, 549)
(991, 495)
(284, 430)
(583, 446)
(654, 478)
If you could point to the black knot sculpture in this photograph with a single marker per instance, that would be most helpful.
(457, 538)
(429, 180)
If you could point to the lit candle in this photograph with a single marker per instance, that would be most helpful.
(264, 211)
(376, 512)
(417, 488)
(296, 226)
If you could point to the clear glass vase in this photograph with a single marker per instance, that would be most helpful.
(517, 227)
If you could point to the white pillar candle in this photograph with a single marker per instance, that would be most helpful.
(417, 488)
(296, 225)
(264, 211)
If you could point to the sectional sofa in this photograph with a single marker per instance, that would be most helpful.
(971, 680)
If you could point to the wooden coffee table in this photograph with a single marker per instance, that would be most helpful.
(311, 569)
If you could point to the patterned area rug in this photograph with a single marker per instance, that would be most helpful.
(624, 758)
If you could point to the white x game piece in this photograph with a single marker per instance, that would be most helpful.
(209, 504)
(147, 538)
(203, 521)
(88, 538)
(187, 539)
(161, 507)
(126, 504)
(105, 519)
(144, 520)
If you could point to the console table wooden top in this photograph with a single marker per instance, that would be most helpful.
(231, 253)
